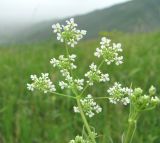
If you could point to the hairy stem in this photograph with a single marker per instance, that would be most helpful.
(85, 122)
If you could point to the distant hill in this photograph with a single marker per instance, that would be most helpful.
(131, 16)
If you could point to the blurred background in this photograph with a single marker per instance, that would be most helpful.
(27, 44)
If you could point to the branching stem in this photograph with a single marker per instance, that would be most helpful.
(85, 122)
(132, 124)
(80, 107)
(101, 98)
(64, 95)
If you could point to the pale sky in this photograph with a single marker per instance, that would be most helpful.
(39, 10)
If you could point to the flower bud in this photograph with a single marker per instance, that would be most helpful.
(137, 91)
(152, 90)
(155, 100)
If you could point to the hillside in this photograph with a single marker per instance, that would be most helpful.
(132, 16)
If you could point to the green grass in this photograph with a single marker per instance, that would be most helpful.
(27, 117)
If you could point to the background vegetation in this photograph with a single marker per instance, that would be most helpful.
(36, 118)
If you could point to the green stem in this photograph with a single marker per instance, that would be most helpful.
(64, 95)
(87, 85)
(132, 124)
(80, 107)
(67, 52)
(101, 98)
(130, 132)
(101, 64)
(85, 122)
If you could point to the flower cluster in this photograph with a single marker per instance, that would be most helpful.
(74, 84)
(68, 33)
(41, 83)
(94, 74)
(119, 94)
(79, 139)
(110, 52)
(64, 63)
(143, 101)
(89, 106)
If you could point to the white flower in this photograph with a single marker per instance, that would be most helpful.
(71, 23)
(110, 52)
(94, 74)
(118, 47)
(30, 87)
(113, 100)
(79, 83)
(56, 28)
(54, 62)
(79, 139)
(72, 57)
(72, 66)
(93, 67)
(98, 109)
(76, 109)
(63, 85)
(98, 52)
(119, 60)
(64, 72)
(127, 90)
(104, 77)
(64, 63)
(69, 78)
(41, 83)
(83, 32)
(90, 107)
(119, 94)
(72, 43)
(68, 33)
(125, 100)
(105, 41)
(33, 77)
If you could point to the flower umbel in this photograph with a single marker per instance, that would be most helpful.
(41, 83)
(90, 107)
(68, 33)
(110, 52)
(79, 139)
(94, 74)
(64, 63)
(119, 94)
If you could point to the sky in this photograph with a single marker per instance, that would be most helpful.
(39, 10)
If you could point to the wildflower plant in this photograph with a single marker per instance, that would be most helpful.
(85, 104)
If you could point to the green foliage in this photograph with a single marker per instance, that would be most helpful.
(48, 119)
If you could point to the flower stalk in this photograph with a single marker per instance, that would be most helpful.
(132, 125)
(85, 122)
(80, 107)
